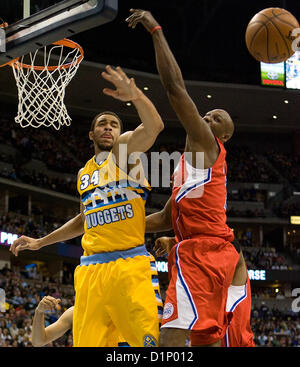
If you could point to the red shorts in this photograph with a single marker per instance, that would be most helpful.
(239, 333)
(200, 271)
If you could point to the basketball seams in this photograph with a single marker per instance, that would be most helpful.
(282, 36)
(261, 13)
(284, 21)
(257, 32)
(268, 55)
(279, 31)
(274, 15)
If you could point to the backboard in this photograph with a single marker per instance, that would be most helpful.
(40, 25)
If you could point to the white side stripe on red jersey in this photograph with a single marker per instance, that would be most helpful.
(192, 183)
(235, 295)
(186, 308)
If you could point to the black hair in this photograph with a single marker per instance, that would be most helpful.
(106, 113)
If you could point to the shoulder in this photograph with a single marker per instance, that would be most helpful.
(88, 163)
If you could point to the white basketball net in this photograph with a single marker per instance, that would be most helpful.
(41, 92)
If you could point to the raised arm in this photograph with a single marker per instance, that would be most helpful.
(144, 136)
(172, 80)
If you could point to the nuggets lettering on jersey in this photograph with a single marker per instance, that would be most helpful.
(114, 207)
(109, 215)
(199, 199)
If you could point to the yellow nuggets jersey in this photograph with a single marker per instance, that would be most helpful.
(117, 296)
(114, 207)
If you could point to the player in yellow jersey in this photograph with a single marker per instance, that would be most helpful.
(114, 285)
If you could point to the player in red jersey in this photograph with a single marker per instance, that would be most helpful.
(204, 262)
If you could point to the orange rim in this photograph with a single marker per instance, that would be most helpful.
(64, 42)
(9, 63)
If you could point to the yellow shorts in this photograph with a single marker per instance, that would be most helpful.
(117, 299)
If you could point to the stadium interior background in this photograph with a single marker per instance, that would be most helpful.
(38, 167)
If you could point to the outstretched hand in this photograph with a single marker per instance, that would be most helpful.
(141, 16)
(126, 90)
(25, 243)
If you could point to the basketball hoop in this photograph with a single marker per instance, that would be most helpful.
(41, 86)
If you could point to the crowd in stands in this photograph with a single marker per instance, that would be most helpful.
(288, 208)
(39, 179)
(264, 258)
(247, 213)
(275, 328)
(265, 293)
(245, 237)
(19, 224)
(24, 289)
(244, 166)
(41, 145)
(247, 195)
(287, 165)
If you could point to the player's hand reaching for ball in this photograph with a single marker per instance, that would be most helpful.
(141, 16)
(163, 245)
(126, 90)
(25, 243)
(48, 303)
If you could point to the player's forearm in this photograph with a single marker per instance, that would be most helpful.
(148, 114)
(73, 228)
(38, 330)
(158, 222)
(167, 66)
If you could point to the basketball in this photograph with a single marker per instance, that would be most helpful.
(269, 35)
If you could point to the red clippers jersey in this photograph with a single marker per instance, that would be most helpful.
(199, 199)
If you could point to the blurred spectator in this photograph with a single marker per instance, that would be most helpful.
(274, 328)
(264, 259)
(287, 165)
